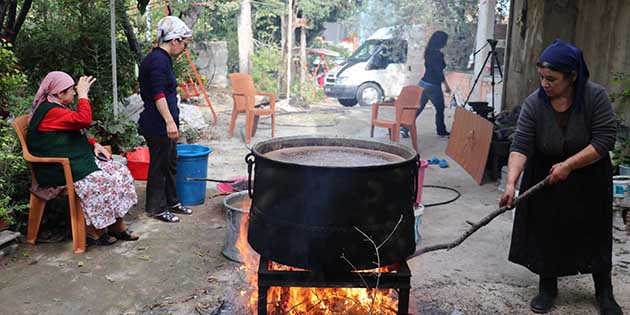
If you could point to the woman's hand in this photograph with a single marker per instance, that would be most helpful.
(83, 87)
(99, 149)
(559, 172)
(171, 130)
(507, 199)
(447, 88)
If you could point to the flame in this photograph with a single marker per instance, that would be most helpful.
(330, 301)
(314, 301)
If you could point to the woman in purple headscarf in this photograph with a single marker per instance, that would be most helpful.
(565, 130)
(105, 187)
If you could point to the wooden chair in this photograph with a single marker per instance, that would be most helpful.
(244, 94)
(406, 106)
(37, 205)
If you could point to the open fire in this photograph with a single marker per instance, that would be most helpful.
(311, 300)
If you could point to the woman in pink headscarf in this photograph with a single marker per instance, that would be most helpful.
(104, 187)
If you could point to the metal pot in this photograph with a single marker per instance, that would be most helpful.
(319, 217)
(236, 219)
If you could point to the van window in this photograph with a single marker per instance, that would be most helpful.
(395, 51)
(366, 50)
(391, 52)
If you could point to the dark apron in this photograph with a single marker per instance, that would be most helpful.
(565, 228)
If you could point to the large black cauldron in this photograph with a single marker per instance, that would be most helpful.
(307, 216)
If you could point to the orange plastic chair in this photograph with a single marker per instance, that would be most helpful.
(37, 204)
(244, 94)
(406, 105)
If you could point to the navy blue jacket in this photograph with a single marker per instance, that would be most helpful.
(157, 80)
(434, 65)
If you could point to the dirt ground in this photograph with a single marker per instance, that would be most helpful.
(179, 268)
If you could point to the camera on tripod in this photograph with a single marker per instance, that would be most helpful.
(493, 43)
(482, 108)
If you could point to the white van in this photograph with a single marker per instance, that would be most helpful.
(388, 60)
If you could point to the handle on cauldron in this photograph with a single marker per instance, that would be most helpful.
(415, 172)
(250, 160)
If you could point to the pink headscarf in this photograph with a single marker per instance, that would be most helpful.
(53, 83)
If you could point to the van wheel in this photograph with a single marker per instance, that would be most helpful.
(369, 93)
(348, 101)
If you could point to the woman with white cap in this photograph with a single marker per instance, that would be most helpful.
(159, 122)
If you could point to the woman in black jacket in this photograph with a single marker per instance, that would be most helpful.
(432, 82)
(565, 130)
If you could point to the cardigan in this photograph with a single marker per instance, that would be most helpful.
(157, 80)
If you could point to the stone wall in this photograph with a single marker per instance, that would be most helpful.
(211, 61)
(599, 28)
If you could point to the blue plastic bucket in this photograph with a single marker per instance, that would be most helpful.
(192, 163)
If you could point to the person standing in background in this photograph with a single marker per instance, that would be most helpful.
(159, 122)
(432, 82)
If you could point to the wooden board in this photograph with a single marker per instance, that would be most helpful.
(469, 142)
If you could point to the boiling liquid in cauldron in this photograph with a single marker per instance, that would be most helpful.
(333, 156)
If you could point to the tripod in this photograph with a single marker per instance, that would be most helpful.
(492, 55)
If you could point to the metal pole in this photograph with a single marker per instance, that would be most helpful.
(485, 31)
(289, 49)
(112, 7)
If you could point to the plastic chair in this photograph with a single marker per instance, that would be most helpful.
(406, 105)
(37, 205)
(244, 95)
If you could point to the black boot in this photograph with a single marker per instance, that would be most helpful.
(547, 292)
(604, 294)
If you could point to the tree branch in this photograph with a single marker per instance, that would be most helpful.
(191, 15)
(3, 11)
(26, 6)
(11, 14)
(132, 40)
(483, 222)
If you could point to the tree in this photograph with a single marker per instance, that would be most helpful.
(310, 16)
(14, 21)
(132, 40)
(69, 36)
(245, 37)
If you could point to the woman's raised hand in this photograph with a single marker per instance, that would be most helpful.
(83, 87)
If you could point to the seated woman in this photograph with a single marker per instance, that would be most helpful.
(104, 187)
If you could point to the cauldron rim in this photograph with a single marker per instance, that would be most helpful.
(300, 141)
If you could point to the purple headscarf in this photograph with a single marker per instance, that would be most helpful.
(565, 56)
(53, 83)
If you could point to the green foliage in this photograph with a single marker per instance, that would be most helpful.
(621, 97)
(70, 36)
(14, 175)
(12, 80)
(319, 12)
(121, 133)
(266, 62)
(621, 153)
(621, 101)
(19, 104)
(142, 5)
(309, 94)
(74, 36)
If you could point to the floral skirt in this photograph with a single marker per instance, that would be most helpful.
(106, 194)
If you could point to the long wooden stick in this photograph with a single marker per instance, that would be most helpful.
(483, 222)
